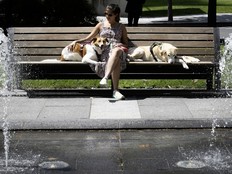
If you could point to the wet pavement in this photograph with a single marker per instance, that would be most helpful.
(159, 151)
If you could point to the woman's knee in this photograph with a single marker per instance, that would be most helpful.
(117, 52)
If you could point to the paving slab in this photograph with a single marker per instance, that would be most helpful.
(102, 113)
(107, 108)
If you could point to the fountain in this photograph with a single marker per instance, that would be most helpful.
(4, 57)
(226, 63)
(13, 162)
(213, 157)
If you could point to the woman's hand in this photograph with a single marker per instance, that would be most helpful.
(121, 46)
(70, 46)
(118, 45)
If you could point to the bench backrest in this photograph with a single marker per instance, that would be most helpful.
(36, 44)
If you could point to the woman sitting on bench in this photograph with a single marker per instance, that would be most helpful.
(113, 57)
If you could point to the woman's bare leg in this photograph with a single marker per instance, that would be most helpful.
(113, 68)
(113, 61)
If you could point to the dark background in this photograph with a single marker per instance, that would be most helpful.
(25, 13)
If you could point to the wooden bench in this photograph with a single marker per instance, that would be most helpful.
(32, 45)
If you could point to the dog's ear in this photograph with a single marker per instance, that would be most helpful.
(107, 40)
(163, 53)
(175, 50)
(94, 39)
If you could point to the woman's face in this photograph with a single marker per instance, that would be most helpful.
(110, 16)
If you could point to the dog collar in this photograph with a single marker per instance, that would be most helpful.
(82, 50)
(151, 49)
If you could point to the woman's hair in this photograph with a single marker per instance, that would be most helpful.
(115, 9)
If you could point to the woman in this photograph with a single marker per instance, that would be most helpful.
(113, 58)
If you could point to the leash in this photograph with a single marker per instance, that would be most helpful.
(98, 55)
(151, 49)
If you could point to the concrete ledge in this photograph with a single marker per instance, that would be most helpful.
(120, 124)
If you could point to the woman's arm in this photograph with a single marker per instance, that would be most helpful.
(94, 33)
(124, 39)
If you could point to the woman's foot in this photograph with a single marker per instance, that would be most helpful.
(103, 82)
(118, 96)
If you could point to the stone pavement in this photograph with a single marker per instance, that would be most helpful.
(22, 112)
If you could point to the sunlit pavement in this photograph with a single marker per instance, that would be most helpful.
(201, 18)
(102, 113)
(159, 151)
(223, 18)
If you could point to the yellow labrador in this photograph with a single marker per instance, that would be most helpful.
(160, 52)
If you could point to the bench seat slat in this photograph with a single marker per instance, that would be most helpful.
(80, 63)
(51, 57)
(57, 51)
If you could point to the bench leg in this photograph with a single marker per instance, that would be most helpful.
(209, 80)
(209, 84)
(217, 79)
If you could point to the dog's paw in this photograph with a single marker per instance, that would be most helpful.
(97, 65)
(185, 66)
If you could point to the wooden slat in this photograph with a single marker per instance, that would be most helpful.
(57, 51)
(132, 63)
(22, 58)
(204, 58)
(169, 30)
(180, 44)
(49, 36)
(54, 44)
(161, 37)
(129, 29)
(38, 51)
(52, 29)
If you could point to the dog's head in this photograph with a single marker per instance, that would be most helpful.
(99, 43)
(166, 52)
